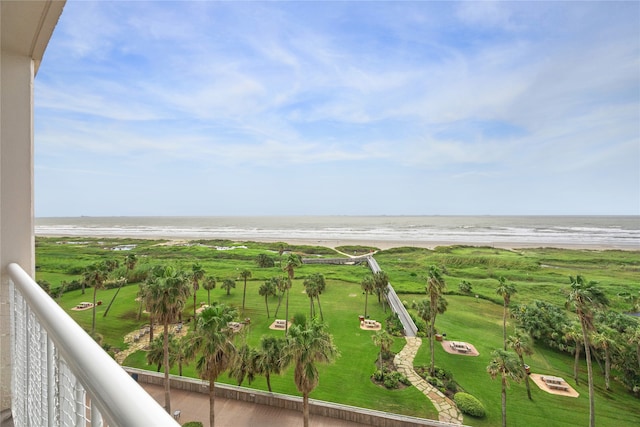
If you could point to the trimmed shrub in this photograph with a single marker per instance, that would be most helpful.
(192, 424)
(469, 405)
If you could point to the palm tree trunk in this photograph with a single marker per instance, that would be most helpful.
(244, 295)
(587, 352)
(432, 329)
(268, 377)
(150, 328)
(607, 368)
(286, 312)
(576, 363)
(504, 400)
(93, 319)
(504, 326)
(526, 377)
(165, 348)
(212, 401)
(320, 308)
(112, 300)
(305, 409)
(279, 303)
(208, 297)
(266, 302)
(366, 300)
(638, 354)
(194, 309)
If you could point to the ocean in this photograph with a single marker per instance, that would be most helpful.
(615, 232)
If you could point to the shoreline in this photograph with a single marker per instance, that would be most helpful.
(346, 241)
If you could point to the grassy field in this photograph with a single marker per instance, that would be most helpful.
(537, 273)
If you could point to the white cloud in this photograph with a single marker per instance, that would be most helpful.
(471, 90)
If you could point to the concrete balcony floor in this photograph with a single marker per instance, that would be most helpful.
(233, 413)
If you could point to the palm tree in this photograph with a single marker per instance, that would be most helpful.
(155, 355)
(281, 285)
(269, 361)
(228, 284)
(314, 285)
(142, 291)
(267, 289)
(244, 274)
(197, 273)
(505, 290)
(583, 298)
(435, 289)
(505, 365)
(311, 290)
(368, 286)
(574, 334)
(166, 296)
(384, 340)
(244, 364)
(380, 283)
(94, 275)
(605, 341)
(423, 309)
(209, 283)
(292, 262)
(130, 262)
(306, 346)
(215, 339)
(520, 342)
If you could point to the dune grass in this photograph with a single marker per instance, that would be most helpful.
(538, 274)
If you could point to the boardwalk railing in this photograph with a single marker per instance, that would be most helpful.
(410, 328)
(61, 376)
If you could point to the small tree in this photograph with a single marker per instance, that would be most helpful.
(465, 287)
(228, 284)
(505, 365)
(244, 274)
(307, 346)
(584, 297)
(505, 290)
(368, 287)
(384, 340)
(266, 290)
(520, 342)
(269, 360)
(209, 284)
(214, 339)
(196, 274)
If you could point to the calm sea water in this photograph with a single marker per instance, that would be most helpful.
(561, 231)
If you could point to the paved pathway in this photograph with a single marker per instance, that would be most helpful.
(447, 410)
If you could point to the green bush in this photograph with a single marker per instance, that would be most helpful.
(469, 405)
(299, 319)
(436, 382)
(192, 424)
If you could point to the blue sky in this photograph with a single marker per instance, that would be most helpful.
(339, 108)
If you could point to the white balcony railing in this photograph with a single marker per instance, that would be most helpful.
(61, 376)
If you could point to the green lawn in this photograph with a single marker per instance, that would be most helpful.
(538, 274)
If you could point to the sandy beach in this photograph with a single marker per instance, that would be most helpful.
(382, 232)
(346, 241)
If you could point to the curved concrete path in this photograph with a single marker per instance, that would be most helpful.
(447, 410)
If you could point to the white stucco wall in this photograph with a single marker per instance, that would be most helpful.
(25, 30)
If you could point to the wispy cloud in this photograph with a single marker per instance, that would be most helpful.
(469, 90)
